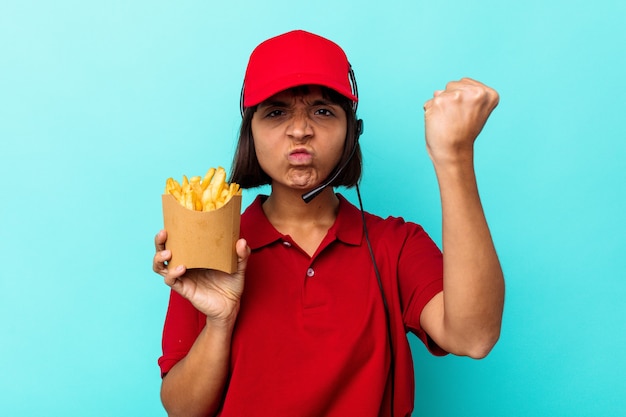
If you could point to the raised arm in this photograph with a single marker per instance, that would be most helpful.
(465, 318)
(195, 385)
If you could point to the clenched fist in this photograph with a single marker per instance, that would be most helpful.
(454, 117)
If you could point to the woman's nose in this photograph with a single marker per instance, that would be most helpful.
(300, 126)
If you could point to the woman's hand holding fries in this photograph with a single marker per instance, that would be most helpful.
(216, 294)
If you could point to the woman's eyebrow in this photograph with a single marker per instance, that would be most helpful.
(279, 103)
(274, 103)
(323, 102)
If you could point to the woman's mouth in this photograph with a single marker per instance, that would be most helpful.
(300, 156)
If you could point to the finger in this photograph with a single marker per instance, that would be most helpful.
(158, 262)
(173, 274)
(159, 240)
(472, 81)
(242, 249)
(495, 97)
(436, 94)
(428, 104)
(243, 253)
(163, 256)
(461, 82)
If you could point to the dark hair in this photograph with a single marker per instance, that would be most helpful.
(247, 172)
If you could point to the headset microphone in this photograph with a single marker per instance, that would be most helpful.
(308, 197)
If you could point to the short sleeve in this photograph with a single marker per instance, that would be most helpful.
(180, 331)
(420, 278)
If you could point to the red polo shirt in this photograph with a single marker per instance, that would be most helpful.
(310, 337)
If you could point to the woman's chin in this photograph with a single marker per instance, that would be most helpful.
(302, 181)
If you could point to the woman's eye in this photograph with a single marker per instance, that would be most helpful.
(274, 113)
(324, 112)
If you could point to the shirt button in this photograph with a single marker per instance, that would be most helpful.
(310, 272)
(287, 244)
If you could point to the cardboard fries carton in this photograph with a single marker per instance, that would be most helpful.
(202, 239)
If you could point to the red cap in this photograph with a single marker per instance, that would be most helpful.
(292, 59)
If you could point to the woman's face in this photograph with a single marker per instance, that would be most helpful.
(299, 137)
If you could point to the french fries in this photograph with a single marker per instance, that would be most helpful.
(203, 193)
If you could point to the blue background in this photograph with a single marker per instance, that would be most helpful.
(101, 101)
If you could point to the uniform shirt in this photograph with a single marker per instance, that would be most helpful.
(311, 335)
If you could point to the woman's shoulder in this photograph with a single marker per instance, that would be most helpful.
(384, 225)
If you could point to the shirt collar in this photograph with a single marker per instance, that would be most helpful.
(259, 232)
(348, 226)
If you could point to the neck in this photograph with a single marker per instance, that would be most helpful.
(285, 206)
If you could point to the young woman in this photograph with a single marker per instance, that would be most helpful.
(314, 321)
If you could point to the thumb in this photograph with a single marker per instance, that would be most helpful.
(243, 253)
